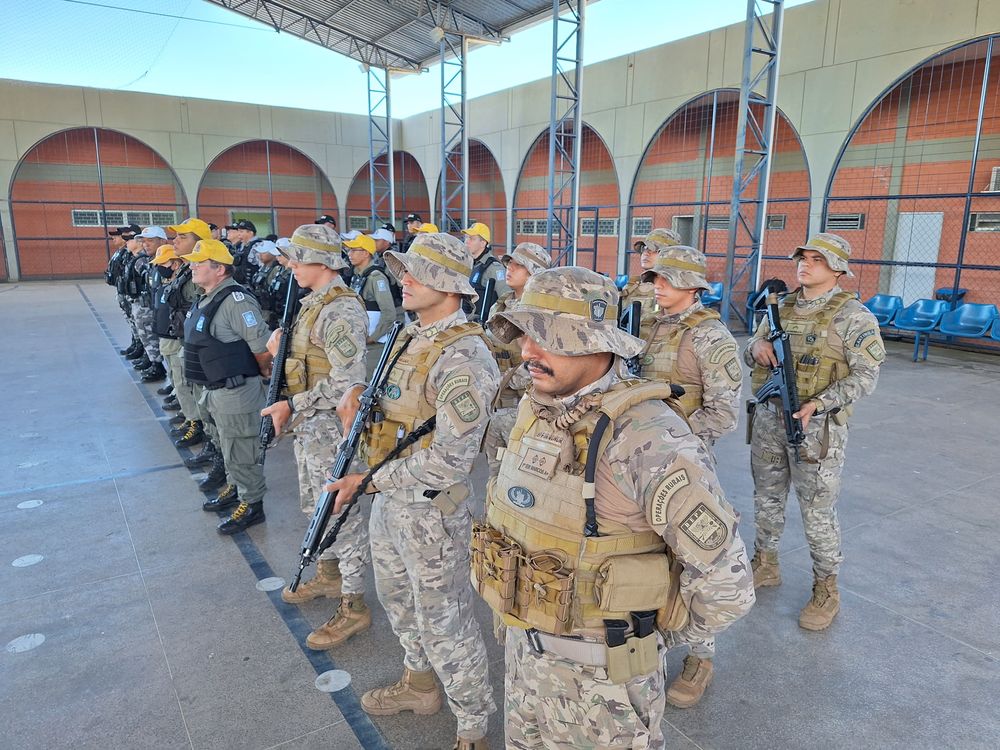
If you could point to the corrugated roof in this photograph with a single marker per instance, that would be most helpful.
(393, 34)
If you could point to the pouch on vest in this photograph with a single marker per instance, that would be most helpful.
(633, 583)
(543, 581)
(295, 376)
(636, 657)
(451, 499)
(494, 566)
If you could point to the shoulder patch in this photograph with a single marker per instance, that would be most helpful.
(239, 296)
(451, 385)
(704, 527)
(502, 274)
(248, 317)
(876, 351)
(865, 335)
(733, 370)
(658, 508)
(382, 285)
(466, 407)
(718, 354)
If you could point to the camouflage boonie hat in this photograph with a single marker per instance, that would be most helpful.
(437, 260)
(533, 257)
(834, 248)
(683, 267)
(661, 238)
(569, 311)
(315, 243)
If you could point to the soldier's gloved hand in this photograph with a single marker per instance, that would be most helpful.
(348, 406)
(763, 353)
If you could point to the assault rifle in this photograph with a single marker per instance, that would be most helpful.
(266, 433)
(486, 303)
(312, 547)
(781, 381)
(630, 322)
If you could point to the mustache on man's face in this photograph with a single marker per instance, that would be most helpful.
(534, 364)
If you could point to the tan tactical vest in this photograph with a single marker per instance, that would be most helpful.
(659, 360)
(508, 357)
(307, 363)
(403, 405)
(817, 364)
(531, 560)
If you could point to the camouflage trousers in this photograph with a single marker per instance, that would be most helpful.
(816, 479)
(497, 435)
(143, 318)
(316, 442)
(554, 703)
(421, 563)
(240, 445)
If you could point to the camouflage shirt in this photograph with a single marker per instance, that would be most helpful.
(855, 329)
(656, 474)
(340, 331)
(707, 356)
(461, 384)
(644, 293)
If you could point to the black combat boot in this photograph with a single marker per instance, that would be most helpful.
(245, 515)
(216, 475)
(229, 497)
(181, 429)
(179, 419)
(142, 363)
(194, 435)
(154, 374)
(171, 404)
(165, 390)
(131, 347)
(202, 459)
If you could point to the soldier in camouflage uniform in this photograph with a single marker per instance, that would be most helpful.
(689, 346)
(526, 259)
(607, 535)
(837, 352)
(326, 356)
(641, 291)
(420, 518)
(142, 304)
(371, 283)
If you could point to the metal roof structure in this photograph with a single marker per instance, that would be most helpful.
(397, 35)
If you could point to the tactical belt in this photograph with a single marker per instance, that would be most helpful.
(589, 653)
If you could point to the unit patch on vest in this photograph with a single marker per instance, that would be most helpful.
(704, 528)
(796, 326)
(392, 391)
(248, 317)
(521, 497)
(239, 296)
(200, 325)
(658, 515)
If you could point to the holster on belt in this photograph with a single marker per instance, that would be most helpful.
(634, 654)
(751, 410)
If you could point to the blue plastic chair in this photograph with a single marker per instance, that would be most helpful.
(713, 296)
(970, 321)
(621, 281)
(995, 332)
(921, 318)
(885, 307)
(949, 294)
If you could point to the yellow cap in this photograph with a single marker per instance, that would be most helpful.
(428, 228)
(361, 242)
(478, 230)
(165, 254)
(210, 250)
(196, 227)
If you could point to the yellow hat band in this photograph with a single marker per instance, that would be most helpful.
(831, 247)
(679, 264)
(322, 247)
(556, 303)
(425, 252)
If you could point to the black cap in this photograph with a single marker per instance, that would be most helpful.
(131, 229)
(413, 217)
(213, 226)
(243, 224)
(390, 227)
(326, 219)
(271, 238)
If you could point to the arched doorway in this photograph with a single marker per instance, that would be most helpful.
(274, 185)
(410, 191)
(70, 187)
(487, 197)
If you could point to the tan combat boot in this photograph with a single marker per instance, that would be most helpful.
(691, 683)
(463, 744)
(765, 569)
(415, 691)
(352, 616)
(823, 607)
(327, 582)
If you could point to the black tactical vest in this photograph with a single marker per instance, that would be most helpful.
(170, 308)
(479, 268)
(244, 268)
(358, 284)
(208, 361)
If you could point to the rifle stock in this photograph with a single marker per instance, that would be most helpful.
(345, 455)
(266, 433)
(781, 382)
